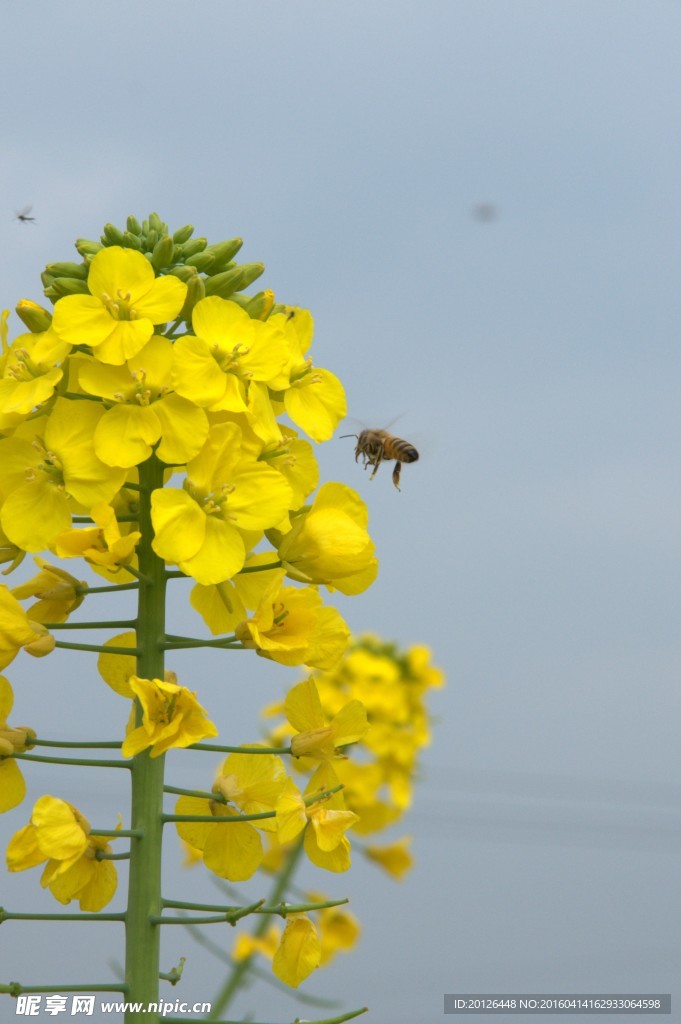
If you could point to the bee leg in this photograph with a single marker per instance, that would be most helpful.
(396, 474)
(376, 464)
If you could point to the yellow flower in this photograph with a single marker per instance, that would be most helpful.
(58, 592)
(102, 544)
(327, 820)
(201, 527)
(230, 349)
(313, 398)
(339, 930)
(171, 717)
(12, 785)
(250, 784)
(49, 478)
(126, 300)
(330, 544)
(17, 630)
(31, 372)
(59, 834)
(293, 627)
(395, 858)
(315, 737)
(144, 409)
(299, 951)
(266, 945)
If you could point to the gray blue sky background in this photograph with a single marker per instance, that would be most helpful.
(534, 359)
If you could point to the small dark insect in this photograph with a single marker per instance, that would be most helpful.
(23, 215)
(485, 212)
(377, 446)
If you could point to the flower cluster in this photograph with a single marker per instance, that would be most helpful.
(157, 424)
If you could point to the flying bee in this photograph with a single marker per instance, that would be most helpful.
(377, 446)
(23, 215)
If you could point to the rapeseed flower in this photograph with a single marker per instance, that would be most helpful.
(126, 300)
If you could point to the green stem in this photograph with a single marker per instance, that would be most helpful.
(144, 888)
(81, 761)
(98, 648)
(38, 741)
(172, 645)
(104, 624)
(15, 988)
(7, 915)
(108, 589)
(218, 748)
(240, 969)
(260, 568)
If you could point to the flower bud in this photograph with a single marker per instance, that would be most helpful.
(65, 269)
(86, 247)
(260, 306)
(157, 225)
(112, 235)
(190, 248)
(201, 261)
(131, 241)
(184, 273)
(34, 316)
(134, 225)
(162, 255)
(183, 235)
(224, 253)
(234, 280)
(150, 239)
(66, 286)
(196, 290)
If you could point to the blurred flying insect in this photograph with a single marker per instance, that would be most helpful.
(23, 215)
(377, 446)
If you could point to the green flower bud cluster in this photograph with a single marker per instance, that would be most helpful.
(205, 269)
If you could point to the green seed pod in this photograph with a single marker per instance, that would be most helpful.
(34, 316)
(183, 234)
(163, 253)
(67, 270)
(134, 225)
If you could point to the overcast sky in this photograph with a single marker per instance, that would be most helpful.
(534, 359)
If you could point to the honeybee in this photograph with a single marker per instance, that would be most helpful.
(377, 446)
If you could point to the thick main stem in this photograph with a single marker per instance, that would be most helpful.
(142, 953)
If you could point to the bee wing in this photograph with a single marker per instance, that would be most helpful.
(24, 212)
